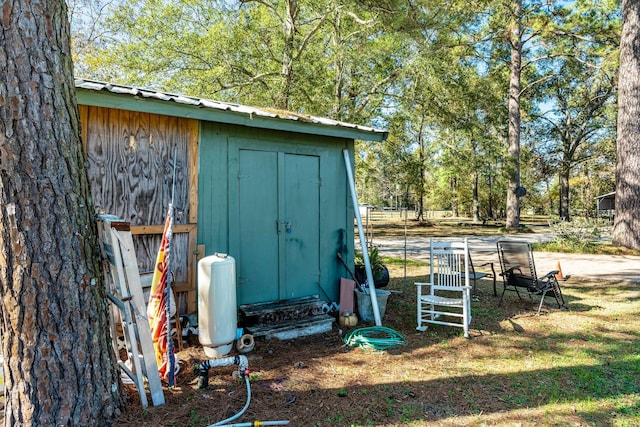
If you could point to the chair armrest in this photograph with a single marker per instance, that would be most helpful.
(420, 284)
(507, 272)
(490, 264)
(485, 264)
(549, 274)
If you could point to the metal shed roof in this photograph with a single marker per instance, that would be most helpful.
(604, 196)
(90, 92)
(606, 201)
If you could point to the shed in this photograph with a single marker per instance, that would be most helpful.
(606, 205)
(266, 187)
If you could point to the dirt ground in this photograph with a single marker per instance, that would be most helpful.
(318, 381)
(314, 380)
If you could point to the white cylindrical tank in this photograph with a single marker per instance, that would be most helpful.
(217, 311)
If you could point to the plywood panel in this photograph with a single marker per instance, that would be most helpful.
(193, 129)
(131, 159)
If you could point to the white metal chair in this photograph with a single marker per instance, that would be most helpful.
(446, 299)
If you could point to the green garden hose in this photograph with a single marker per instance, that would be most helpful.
(374, 338)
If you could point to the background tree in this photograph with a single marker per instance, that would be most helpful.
(323, 57)
(87, 18)
(626, 228)
(59, 364)
(574, 126)
(443, 67)
(364, 62)
(516, 35)
(548, 40)
(578, 63)
(415, 129)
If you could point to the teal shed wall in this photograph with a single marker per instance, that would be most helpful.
(251, 183)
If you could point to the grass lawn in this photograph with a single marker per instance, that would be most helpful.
(575, 366)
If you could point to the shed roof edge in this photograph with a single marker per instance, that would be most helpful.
(206, 109)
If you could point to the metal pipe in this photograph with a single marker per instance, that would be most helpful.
(363, 241)
(203, 368)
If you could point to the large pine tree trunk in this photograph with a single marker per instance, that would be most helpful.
(476, 198)
(513, 202)
(626, 229)
(565, 202)
(338, 68)
(453, 184)
(422, 158)
(59, 366)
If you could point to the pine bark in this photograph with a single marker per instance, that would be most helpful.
(422, 168)
(565, 194)
(59, 365)
(513, 202)
(476, 197)
(626, 229)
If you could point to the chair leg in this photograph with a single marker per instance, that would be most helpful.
(502, 296)
(515, 288)
(421, 327)
(519, 296)
(541, 301)
(561, 298)
(466, 319)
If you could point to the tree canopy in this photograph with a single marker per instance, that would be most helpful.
(480, 97)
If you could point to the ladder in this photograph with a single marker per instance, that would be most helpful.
(124, 290)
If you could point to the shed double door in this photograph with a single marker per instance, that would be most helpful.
(278, 231)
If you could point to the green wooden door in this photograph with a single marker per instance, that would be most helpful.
(278, 225)
(257, 252)
(300, 258)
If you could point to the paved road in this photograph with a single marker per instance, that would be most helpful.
(483, 249)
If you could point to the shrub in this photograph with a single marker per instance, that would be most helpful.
(581, 234)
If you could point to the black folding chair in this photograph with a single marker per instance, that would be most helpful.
(519, 273)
